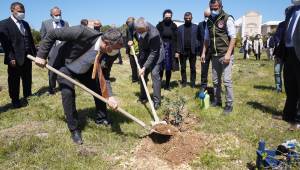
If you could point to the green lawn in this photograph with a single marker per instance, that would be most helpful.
(36, 136)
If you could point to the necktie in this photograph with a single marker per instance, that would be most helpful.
(22, 29)
(101, 78)
(290, 28)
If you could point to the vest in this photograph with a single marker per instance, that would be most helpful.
(219, 39)
(27, 42)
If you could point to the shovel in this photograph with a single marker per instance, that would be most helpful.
(160, 127)
(128, 115)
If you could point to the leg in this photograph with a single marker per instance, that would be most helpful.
(68, 100)
(216, 76)
(14, 84)
(183, 68)
(168, 78)
(192, 60)
(228, 82)
(26, 75)
(204, 72)
(156, 85)
(134, 70)
(277, 74)
(143, 95)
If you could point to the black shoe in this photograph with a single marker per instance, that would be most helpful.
(183, 84)
(143, 101)
(193, 85)
(167, 88)
(103, 121)
(51, 92)
(134, 80)
(16, 104)
(216, 104)
(76, 137)
(156, 105)
(228, 110)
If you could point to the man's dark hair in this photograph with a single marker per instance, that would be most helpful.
(167, 11)
(214, 1)
(188, 14)
(84, 22)
(14, 4)
(113, 36)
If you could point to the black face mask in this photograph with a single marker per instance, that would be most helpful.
(167, 21)
(188, 23)
(97, 28)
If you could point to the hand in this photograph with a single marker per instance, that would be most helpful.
(142, 71)
(202, 59)
(112, 103)
(226, 59)
(13, 63)
(130, 43)
(177, 55)
(40, 62)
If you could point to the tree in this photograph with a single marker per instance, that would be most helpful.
(36, 36)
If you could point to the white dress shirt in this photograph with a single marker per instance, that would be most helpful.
(19, 24)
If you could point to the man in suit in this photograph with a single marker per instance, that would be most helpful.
(151, 55)
(291, 40)
(187, 48)
(205, 64)
(17, 42)
(50, 24)
(78, 52)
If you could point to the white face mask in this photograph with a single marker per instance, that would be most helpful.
(19, 16)
(114, 52)
(296, 2)
(57, 18)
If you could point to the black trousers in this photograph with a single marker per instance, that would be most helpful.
(292, 86)
(23, 72)
(192, 59)
(52, 81)
(155, 75)
(134, 71)
(257, 56)
(204, 71)
(68, 96)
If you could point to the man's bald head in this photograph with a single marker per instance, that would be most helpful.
(207, 12)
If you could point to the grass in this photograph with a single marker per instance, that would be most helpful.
(36, 136)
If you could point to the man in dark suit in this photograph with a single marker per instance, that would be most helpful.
(291, 111)
(187, 48)
(151, 55)
(17, 42)
(54, 23)
(78, 52)
(204, 65)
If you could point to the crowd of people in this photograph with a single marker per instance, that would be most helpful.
(87, 55)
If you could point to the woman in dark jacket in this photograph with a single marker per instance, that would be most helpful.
(168, 32)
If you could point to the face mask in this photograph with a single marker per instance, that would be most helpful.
(97, 28)
(167, 21)
(130, 25)
(56, 18)
(19, 16)
(113, 52)
(187, 23)
(296, 2)
(142, 35)
(215, 13)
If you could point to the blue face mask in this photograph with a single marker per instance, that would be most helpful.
(215, 13)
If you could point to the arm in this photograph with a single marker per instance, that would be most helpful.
(6, 43)
(232, 34)
(154, 51)
(205, 45)
(62, 34)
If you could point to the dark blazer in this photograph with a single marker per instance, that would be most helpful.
(78, 40)
(12, 41)
(151, 48)
(279, 40)
(194, 39)
(296, 39)
(201, 34)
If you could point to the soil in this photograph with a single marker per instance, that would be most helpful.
(164, 129)
(174, 151)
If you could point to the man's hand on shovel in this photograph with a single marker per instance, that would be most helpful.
(112, 103)
(40, 62)
(142, 71)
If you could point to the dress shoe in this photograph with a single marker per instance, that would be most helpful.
(134, 80)
(143, 101)
(183, 84)
(277, 117)
(103, 121)
(167, 88)
(16, 104)
(51, 92)
(294, 127)
(76, 137)
(216, 104)
(227, 110)
(156, 105)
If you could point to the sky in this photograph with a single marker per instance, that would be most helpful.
(117, 11)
